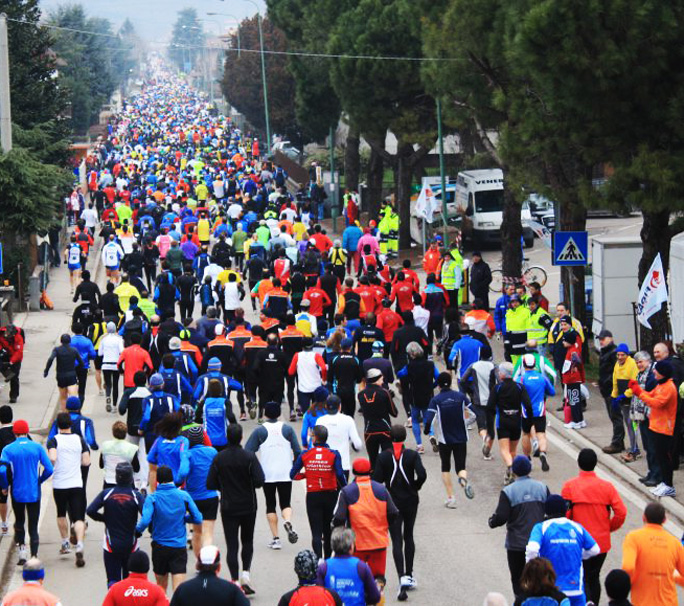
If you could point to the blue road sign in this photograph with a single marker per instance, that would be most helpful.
(2, 270)
(570, 248)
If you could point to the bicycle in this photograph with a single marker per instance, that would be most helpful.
(530, 273)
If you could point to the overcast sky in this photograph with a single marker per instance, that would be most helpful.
(153, 19)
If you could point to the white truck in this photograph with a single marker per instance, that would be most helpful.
(479, 196)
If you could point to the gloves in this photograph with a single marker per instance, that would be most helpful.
(616, 402)
(635, 387)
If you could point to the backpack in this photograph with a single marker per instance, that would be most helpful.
(133, 326)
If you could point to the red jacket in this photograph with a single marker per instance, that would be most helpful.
(15, 347)
(596, 504)
(319, 300)
(321, 467)
(388, 321)
(134, 358)
(135, 590)
(573, 367)
(403, 293)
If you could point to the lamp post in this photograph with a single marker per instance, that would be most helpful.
(237, 23)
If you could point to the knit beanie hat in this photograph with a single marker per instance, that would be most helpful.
(306, 565)
(521, 466)
(618, 584)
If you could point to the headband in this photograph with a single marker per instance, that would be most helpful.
(33, 575)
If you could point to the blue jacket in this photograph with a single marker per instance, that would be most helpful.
(538, 387)
(200, 457)
(500, 310)
(167, 510)
(350, 238)
(215, 420)
(202, 384)
(447, 409)
(308, 423)
(465, 352)
(173, 454)
(121, 508)
(84, 346)
(24, 458)
(80, 425)
(155, 407)
(176, 384)
(565, 544)
(185, 364)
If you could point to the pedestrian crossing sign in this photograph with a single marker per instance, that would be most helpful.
(570, 248)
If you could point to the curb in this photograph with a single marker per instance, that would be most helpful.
(673, 507)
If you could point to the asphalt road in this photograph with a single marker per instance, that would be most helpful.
(459, 559)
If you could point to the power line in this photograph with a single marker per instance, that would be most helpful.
(266, 51)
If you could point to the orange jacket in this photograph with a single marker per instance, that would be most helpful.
(662, 400)
(30, 593)
(591, 502)
(369, 514)
(650, 555)
(431, 261)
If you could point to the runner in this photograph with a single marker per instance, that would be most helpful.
(277, 446)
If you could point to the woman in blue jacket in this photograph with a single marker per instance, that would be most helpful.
(216, 414)
(170, 449)
(201, 457)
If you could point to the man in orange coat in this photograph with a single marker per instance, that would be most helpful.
(662, 401)
(596, 505)
(432, 259)
(650, 556)
(367, 507)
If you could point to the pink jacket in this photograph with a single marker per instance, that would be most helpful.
(368, 239)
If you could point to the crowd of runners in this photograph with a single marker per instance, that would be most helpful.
(194, 228)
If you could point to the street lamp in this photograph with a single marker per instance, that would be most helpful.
(237, 22)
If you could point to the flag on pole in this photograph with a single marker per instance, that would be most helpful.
(426, 204)
(653, 292)
(542, 232)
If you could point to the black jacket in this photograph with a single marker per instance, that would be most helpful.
(402, 337)
(402, 477)
(607, 359)
(480, 279)
(208, 589)
(236, 473)
(88, 291)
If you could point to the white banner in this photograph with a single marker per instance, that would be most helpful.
(542, 232)
(426, 204)
(653, 292)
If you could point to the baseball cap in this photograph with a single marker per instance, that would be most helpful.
(156, 380)
(218, 330)
(305, 303)
(373, 374)
(528, 361)
(209, 554)
(332, 404)
(320, 394)
(604, 334)
(361, 467)
(174, 343)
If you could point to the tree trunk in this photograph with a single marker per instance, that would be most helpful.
(352, 159)
(574, 218)
(376, 171)
(511, 232)
(655, 237)
(403, 177)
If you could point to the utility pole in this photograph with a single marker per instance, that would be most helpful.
(442, 173)
(333, 184)
(263, 80)
(5, 107)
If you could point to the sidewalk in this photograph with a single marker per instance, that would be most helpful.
(38, 396)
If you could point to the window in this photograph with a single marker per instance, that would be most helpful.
(489, 201)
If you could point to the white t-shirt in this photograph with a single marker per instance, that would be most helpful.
(70, 447)
(341, 431)
(111, 347)
(89, 215)
(421, 317)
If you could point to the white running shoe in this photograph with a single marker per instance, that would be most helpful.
(246, 583)
(23, 555)
(4, 529)
(656, 489)
(275, 543)
(571, 425)
(450, 503)
(65, 548)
